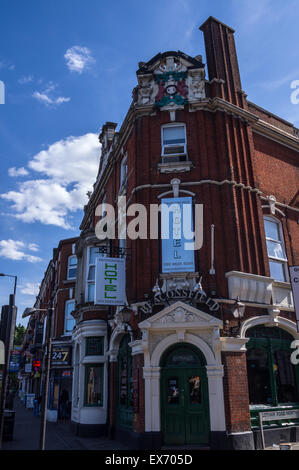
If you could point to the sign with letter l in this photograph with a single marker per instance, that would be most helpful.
(110, 285)
(294, 277)
(176, 224)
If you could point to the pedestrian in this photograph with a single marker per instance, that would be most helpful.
(39, 400)
(35, 406)
(9, 402)
(64, 398)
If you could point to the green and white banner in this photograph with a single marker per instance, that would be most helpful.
(110, 285)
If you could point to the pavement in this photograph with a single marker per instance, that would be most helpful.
(58, 435)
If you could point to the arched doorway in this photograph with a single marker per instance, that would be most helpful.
(184, 396)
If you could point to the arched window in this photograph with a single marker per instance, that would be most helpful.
(72, 267)
(276, 249)
(272, 379)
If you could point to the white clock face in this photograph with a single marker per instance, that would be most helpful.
(171, 89)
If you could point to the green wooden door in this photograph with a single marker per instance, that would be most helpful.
(184, 399)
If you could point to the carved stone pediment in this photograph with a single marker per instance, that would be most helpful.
(170, 80)
(180, 315)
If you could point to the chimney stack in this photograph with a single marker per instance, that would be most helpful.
(222, 62)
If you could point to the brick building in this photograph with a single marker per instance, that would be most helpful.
(202, 347)
(58, 289)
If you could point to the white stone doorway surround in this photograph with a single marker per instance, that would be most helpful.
(175, 324)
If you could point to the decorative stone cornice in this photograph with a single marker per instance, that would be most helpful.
(229, 344)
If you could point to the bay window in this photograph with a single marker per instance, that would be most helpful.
(93, 385)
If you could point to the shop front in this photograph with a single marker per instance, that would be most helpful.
(60, 383)
(90, 394)
(273, 381)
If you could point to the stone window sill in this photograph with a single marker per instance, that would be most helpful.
(175, 167)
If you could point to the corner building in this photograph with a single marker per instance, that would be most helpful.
(189, 362)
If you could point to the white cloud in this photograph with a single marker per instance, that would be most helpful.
(17, 171)
(46, 97)
(30, 288)
(5, 64)
(26, 79)
(78, 58)
(33, 247)
(14, 249)
(70, 168)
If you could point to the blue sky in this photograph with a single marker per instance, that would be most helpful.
(69, 66)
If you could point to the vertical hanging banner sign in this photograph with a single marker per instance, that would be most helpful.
(294, 278)
(176, 229)
(110, 285)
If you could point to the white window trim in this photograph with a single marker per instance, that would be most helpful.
(123, 172)
(71, 267)
(282, 261)
(172, 124)
(87, 282)
(67, 333)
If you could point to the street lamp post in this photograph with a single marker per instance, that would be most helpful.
(46, 371)
(9, 341)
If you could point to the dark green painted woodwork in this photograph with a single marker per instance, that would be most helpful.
(125, 385)
(94, 346)
(270, 342)
(184, 397)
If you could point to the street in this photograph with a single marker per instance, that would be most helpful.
(58, 436)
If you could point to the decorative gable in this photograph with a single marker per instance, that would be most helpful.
(180, 315)
(170, 81)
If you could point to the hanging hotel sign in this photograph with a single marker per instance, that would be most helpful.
(110, 281)
(294, 278)
(176, 230)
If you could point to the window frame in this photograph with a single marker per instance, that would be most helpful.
(89, 282)
(71, 267)
(163, 146)
(67, 302)
(271, 345)
(101, 341)
(281, 261)
(123, 172)
(86, 366)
